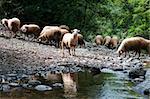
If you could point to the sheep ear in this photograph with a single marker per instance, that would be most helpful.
(78, 30)
(71, 31)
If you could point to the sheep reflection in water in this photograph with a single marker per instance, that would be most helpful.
(69, 80)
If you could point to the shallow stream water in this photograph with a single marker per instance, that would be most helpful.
(82, 85)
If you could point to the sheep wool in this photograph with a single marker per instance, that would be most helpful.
(99, 40)
(70, 41)
(134, 44)
(107, 40)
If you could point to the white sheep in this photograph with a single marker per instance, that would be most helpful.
(70, 41)
(14, 25)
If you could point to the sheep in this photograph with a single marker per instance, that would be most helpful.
(31, 29)
(81, 40)
(14, 25)
(114, 42)
(62, 31)
(134, 44)
(4, 22)
(64, 27)
(52, 33)
(70, 41)
(107, 40)
(99, 40)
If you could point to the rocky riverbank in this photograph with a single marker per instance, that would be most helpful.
(20, 58)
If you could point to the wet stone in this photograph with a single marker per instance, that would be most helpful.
(43, 88)
(147, 91)
(14, 84)
(138, 80)
(11, 79)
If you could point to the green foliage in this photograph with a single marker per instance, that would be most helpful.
(125, 18)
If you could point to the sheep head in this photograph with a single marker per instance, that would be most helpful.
(24, 28)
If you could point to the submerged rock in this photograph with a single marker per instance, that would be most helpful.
(147, 91)
(137, 72)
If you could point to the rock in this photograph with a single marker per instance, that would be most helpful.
(6, 88)
(147, 75)
(27, 86)
(118, 68)
(137, 80)
(43, 88)
(12, 75)
(106, 70)
(34, 82)
(13, 84)
(147, 91)
(143, 87)
(136, 72)
(1, 88)
(95, 70)
(57, 85)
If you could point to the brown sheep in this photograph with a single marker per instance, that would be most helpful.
(49, 27)
(5, 22)
(134, 44)
(14, 25)
(31, 29)
(99, 40)
(81, 40)
(50, 34)
(70, 41)
(114, 42)
(107, 40)
(63, 31)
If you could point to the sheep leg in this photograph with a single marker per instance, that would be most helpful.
(69, 51)
(58, 44)
(13, 35)
(135, 53)
(139, 53)
(32, 37)
(74, 52)
(129, 54)
(62, 46)
(124, 54)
